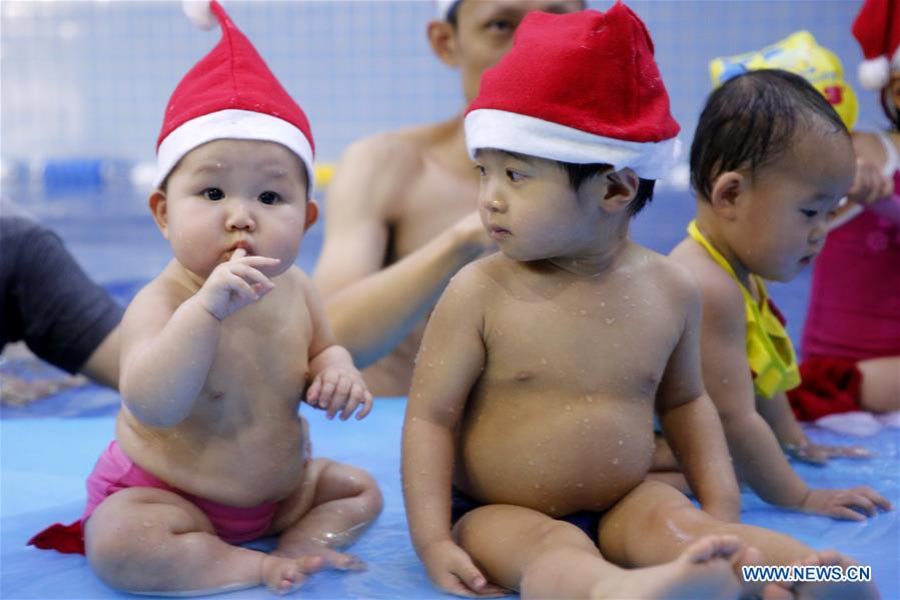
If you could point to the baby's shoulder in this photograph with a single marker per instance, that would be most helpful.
(719, 291)
(669, 276)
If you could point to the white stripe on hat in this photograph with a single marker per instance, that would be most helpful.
(232, 124)
(513, 132)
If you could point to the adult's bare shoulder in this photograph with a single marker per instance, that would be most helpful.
(379, 166)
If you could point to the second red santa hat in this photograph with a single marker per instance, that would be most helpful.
(230, 94)
(877, 29)
(579, 88)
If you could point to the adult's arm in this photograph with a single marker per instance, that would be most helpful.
(48, 301)
(372, 308)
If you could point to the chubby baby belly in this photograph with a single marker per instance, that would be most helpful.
(565, 457)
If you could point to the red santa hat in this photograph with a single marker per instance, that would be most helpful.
(230, 94)
(579, 88)
(877, 29)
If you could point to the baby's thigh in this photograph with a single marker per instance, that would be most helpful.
(130, 521)
(324, 481)
(880, 384)
(650, 525)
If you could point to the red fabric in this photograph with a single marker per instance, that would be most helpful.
(877, 28)
(68, 539)
(232, 76)
(828, 386)
(597, 50)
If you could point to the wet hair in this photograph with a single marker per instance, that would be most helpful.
(750, 121)
(578, 174)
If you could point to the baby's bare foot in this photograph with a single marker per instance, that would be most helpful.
(338, 560)
(704, 570)
(282, 575)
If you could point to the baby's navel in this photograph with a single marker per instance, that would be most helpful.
(215, 396)
(524, 375)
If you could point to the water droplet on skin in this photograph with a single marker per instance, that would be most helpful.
(579, 485)
(609, 321)
(615, 461)
(543, 361)
(568, 407)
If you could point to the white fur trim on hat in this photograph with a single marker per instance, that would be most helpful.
(237, 125)
(502, 130)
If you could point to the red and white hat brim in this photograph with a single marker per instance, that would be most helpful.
(232, 124)
(523, 134)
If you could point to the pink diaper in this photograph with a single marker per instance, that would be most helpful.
(114, 471)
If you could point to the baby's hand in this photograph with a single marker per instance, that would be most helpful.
(869, 184)
(236, 283)
(342, 389)
(817, 454)
(854, 504)
(452, 570)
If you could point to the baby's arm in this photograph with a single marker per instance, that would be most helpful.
(872, 189)
(337, 385)
(690, 421)
(449, 363)
(757, 455)
(778, 414)
(168, 345)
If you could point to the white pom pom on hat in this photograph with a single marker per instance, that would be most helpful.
(200, 13)
(877, 29)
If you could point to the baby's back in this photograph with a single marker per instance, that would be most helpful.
(562, 416)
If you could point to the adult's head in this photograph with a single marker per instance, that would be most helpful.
(473, 35)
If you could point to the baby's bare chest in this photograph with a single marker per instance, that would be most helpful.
(608, 343)
(261, 355)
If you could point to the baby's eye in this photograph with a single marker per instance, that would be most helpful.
(213, 194)
(514, 175)
(481, 171)
(808, 212)
(269, 198)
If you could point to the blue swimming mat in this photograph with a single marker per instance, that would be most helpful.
(46, 459)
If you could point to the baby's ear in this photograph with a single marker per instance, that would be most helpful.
(725, 193)
(621, 189)
(312, 213)
(159, 210)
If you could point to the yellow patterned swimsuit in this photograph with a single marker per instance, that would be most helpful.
(769, 349)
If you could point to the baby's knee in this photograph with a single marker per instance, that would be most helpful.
(361, 486)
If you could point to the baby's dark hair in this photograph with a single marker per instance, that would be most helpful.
(578, 174)
(750, 122)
